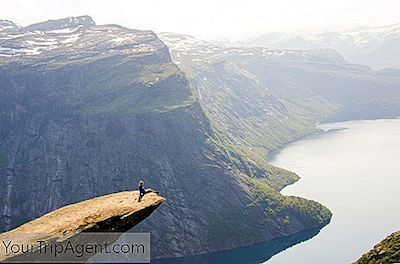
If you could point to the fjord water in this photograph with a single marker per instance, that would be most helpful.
(354, 170)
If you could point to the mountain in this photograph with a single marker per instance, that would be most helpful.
(6, 25)
(386, 251)
(377, 47)
(260, 99)
(68, 22)
(87, 110)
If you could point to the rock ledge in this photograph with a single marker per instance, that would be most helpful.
(117, 212)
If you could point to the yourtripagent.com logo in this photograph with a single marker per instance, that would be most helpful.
(92, 247)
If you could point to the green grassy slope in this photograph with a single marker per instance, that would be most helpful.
(386, 251)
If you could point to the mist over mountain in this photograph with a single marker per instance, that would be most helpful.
(263, 98)
(376, 47)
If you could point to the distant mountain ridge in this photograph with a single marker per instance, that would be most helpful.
(377, 47)
(85, 21)
(7, 25)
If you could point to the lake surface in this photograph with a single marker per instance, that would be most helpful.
(354, 170)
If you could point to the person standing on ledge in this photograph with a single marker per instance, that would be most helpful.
(143, 191)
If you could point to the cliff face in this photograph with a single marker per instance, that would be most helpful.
(386, 251)
(117, 212)
(70, 117)
(88, 110)
(243, 108)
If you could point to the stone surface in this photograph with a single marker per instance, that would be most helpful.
(117, 212)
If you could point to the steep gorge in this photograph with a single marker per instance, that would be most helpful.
(261, 99)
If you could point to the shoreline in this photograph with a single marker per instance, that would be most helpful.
(362, 130)
(271, 155)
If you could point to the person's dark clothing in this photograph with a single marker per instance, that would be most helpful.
(142, 190)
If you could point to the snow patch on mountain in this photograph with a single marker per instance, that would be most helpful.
(74, 36)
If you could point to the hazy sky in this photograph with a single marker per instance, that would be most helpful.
(211, 19)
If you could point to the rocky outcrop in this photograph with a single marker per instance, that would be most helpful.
(117, 212)
(386, 251)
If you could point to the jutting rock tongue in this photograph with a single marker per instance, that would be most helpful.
(117, 212)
